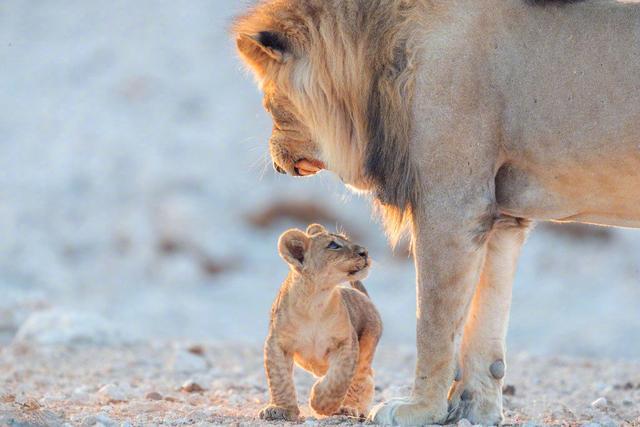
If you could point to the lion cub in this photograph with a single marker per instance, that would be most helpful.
(325, 328)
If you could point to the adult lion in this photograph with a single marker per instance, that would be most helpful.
(465, 120)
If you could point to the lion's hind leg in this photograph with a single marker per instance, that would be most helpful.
(476, 393)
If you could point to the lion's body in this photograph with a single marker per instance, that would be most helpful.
(466, 120)
(329, 330)
(557, 91)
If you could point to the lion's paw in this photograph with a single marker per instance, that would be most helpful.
(404, 411)
(480, 403)
(279, 413)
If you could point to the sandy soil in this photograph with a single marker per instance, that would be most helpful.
(142, 384)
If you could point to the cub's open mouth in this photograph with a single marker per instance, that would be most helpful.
(306, 167)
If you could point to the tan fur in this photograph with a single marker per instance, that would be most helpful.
(327, 329)
(465, 120)
(320, 103)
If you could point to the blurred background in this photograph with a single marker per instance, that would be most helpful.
(136, 191)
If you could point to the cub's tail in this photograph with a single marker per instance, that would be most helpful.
(357, 284)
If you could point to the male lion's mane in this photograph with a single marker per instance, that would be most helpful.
(352, 84)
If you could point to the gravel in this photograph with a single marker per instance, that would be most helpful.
(130, 383)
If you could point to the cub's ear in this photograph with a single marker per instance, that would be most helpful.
(263, 48)
(315, 229)
(293, 246)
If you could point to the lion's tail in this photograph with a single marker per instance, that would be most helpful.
(358, 285)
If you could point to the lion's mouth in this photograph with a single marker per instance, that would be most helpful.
(306, 167)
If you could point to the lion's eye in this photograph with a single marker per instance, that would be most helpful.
(334, 246)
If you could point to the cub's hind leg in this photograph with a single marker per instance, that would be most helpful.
(279, 366)
(361, 390)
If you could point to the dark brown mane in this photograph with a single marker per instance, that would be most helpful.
(388, 163)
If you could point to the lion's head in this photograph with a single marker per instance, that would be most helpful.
(337, 80)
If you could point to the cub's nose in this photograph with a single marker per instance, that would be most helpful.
(362, 252)
(279, 169)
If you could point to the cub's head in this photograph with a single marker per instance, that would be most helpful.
(323, 256)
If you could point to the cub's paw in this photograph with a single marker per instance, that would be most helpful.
(349, 411)
(279, 413)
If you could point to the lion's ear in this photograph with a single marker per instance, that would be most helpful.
(315, 229)
(263, 48)
(293, 246)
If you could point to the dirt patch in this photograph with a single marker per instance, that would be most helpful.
(133, 385)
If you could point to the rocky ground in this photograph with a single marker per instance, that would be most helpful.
(187, 384)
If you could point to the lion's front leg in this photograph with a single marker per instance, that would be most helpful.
(449, 251)
(477, 393)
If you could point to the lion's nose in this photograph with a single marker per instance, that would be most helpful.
(279, 169)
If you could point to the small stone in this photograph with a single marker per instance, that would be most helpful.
(104, 419)
(627, 402)
(600, 403)
(466, 395)
(509, 390)
(190, 386)
(88, 421)
(464, 423)
(497, 369)
(153, 395)
(111, 393)
(196, 349)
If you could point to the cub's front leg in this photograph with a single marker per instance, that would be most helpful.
(279, 366)
(329, 392)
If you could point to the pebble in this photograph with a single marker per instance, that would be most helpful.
(89, 420)
(80, 394)
(600, 403)
(101, 419)
(153, 395)
(464, 423)
(190, 386)
(111, 393)
(196, 349)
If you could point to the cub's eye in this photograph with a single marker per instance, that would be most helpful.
(334, 246)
